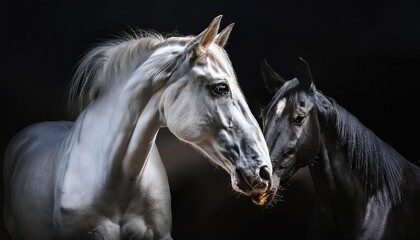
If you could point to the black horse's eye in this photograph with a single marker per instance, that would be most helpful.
(220, 89)
(287, 152)
(298, 119)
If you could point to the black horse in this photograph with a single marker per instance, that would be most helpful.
(364, 188)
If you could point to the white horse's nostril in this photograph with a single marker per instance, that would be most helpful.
(265, 173)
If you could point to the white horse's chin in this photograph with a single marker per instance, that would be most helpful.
(259, 197)
(267, 197)
(264, 198)
(239, 184)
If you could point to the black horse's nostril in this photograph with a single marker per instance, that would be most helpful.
(265, 173)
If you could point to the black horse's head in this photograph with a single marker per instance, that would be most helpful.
(290, 123)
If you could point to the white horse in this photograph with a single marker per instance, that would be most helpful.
(101, 176)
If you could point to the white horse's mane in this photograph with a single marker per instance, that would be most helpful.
(107, 60)
(116, 56)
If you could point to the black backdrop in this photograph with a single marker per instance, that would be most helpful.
(364, 54)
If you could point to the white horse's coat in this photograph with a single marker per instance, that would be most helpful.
(101, 176)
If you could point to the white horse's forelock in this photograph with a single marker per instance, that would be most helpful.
(220, 57)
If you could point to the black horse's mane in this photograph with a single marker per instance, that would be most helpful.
(373, 161)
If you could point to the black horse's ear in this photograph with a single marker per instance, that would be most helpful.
(303, 73)
(272, 80)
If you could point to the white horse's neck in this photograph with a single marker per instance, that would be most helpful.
(131, 119)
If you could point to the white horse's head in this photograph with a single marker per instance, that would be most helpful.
(194, 91)
(204, 106)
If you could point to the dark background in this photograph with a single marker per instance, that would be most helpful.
(364, 54)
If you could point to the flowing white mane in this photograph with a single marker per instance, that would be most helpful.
(107, 60)
(123, 55)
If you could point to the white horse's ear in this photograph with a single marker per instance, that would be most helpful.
(203, 40)
(223, 36)
(210, 34)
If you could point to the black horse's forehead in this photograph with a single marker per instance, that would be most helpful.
(285, 91)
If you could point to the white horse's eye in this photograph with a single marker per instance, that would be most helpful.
(220, 89)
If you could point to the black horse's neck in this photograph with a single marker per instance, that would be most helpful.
(358, 181)
(357, 154)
